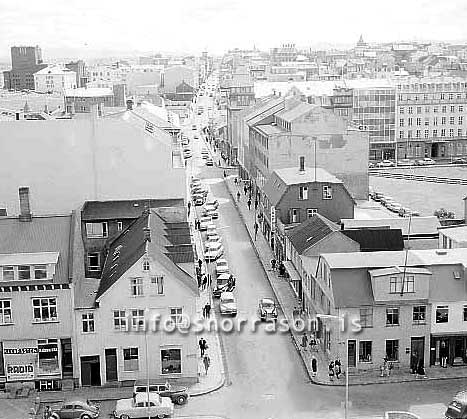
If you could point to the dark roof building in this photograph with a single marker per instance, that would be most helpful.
(373, 240)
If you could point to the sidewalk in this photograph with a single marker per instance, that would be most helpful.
(288, 300)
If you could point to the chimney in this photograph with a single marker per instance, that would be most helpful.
(17, 116)
(147, 234)
(24, 206)
(302, 165)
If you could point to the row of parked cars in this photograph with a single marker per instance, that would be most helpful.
(403, 162)
(392, 205)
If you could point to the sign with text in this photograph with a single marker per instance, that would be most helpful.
(18, 372)
(273, 218)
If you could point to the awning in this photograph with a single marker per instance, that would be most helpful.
(293, 273)
(449, 334)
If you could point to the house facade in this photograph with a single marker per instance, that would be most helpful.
(54, 79)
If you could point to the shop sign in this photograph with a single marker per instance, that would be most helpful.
(19, 351)
(273, 218)
(17, 372)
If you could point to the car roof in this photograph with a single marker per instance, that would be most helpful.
(142, 397)
(221, 261)
(227, 294)
(267, 300)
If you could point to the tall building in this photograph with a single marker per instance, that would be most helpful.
(25, 61)
(79, 67)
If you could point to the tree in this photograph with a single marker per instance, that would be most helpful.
(443, 214)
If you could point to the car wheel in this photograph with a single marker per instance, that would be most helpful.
(85, 417)
(161, 416)
(124, 417)
(181, 400)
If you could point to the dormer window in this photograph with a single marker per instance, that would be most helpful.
(146, 266)
(24, 272)
(40, 271)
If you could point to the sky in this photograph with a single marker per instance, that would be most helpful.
(87, 27)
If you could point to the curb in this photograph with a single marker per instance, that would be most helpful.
(210, 390)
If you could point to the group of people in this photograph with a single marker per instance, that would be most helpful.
(417, 365)
(308, 342)
(335, 369)
(207, 310)
(203, 347)
(279, 266)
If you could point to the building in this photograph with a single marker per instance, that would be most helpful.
(81, 100)
(452, 237)
(284, 53)
(325, 140)
(35, 300)
(25, 61)
(54, 79)
(79, 67)
(117, 157)
(292, 195)
(148, 273)
(173, 76)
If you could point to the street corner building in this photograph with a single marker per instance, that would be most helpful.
(147, 272)
(36, 318)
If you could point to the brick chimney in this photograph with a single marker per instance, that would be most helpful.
(24, 205)
(301, 169)
(147, 234)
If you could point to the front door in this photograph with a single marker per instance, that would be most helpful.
(352, 353)
(111, 365)
(90, 371)
(418, 349)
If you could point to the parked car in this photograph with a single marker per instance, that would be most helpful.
(406, 162)
(198, 199)
(403, 211)
(221, 267)
(384, 199)
(227, 304)
(178, 394)
(267, 309)
(210, 212)
(385, 163)
(77, 409)
(199, 190)
(209, 162)
(377, 196)
(213, 203)
(459, 160)
(214, 251)
(204, 223)
(426, 162)
(144, 405)
(394, 206)
(457, 409)
(213, 239)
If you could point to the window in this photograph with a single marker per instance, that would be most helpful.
(401, 134)
(435, 133)
(443, 120)
(392, 316)
(137, 319)
(40, 271)
(8, 273)
(120, 320)
(453, 109)
(366, 316)
(119, 226)
(419, 121)
(419, 108)
(158, 283)
(401, 122)
(327, 192)
(461, 108)
(435, 109)
(176, 315)
(48, 356)
(452, 120)
(435, 120)
(44, 309)
(136, 287)
(392, 350)
(5, 312)
(444, 108)
(294, 215)
(87, 320)
(465, 313)
(409, 134)
(395, 284)
(418, 133)
(410, 122)
(130, 359)
(171, 360)
(24, 272)
(442, 314)
(146, 265)
(427, 133)
(460, 120)
(443, 133)
(364, 351)
(419, 315)
(94, 261)
(96, 230)
(401, 110)
(410, 110)
(303, 193)
(311, 211)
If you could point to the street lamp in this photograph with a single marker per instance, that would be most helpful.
(342, 322)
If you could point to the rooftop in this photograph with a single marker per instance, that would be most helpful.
(292, 175)
(419, 226)
(457, 234)
(89, 92)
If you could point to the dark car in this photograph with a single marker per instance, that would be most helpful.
(177, 394)
(77, 410)
(267, 309)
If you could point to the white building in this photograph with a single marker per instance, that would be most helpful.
(54, 79)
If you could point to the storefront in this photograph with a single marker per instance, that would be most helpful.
(294, 278)
(454, 347)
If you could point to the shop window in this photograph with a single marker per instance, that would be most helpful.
(364, 351)
(171, 360)
(48, 355)
(392, 350)
(419, 315)
(392, 316)
(442, 314)
(130, 359)
(366, 317)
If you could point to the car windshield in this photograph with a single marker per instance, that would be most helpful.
(268, 304)
(228, 300)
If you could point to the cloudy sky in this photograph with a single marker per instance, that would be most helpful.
(61, 26)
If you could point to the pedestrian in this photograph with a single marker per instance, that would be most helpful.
(385, 368)
(238, 196)
(208, 310)
(443, 353)
(204, 312)
(245, 189)
(413, 363)
(273, 264)
(200, 282)
(236, 181)
(202, 346)
(421, 369)
(256, 229)
(331, 371)
(205, 282)
(338, 367)
(256, 204)
(225, 174)
(189, 208)
(249, 204)
(200, 263)
(304, 341)
(207, 363)
(281, 269)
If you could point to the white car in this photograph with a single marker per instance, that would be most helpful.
(221, 267)
(426, 162)
(213, 203)
(227, 304)
(214, 238)
(211, 230)
(214, 251)
(144, 405)
(210, 211)
(204, 223)
(385, 163)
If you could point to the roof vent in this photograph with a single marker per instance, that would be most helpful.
(441, 252)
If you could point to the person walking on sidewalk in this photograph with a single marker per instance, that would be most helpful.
(249, 204)
(207, 363)
(331, 371)
(205, 282)
(207, 310)
(200, 263)
(443, 353)
(273, 264)
(203, 345)
(256, 204)
(238, 196)
(304, 341)
(204, 312)
(245, 189)
(225, 174)
(256, 229)
(236, 180)
(338, 367)
(189, 208)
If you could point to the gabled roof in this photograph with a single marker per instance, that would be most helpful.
(310, 232)
(295, 112)
(108, 210)
(44, 235)
(377, 239)
(144, 112)
(263, 108)
(131, 245)
(395, 270)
